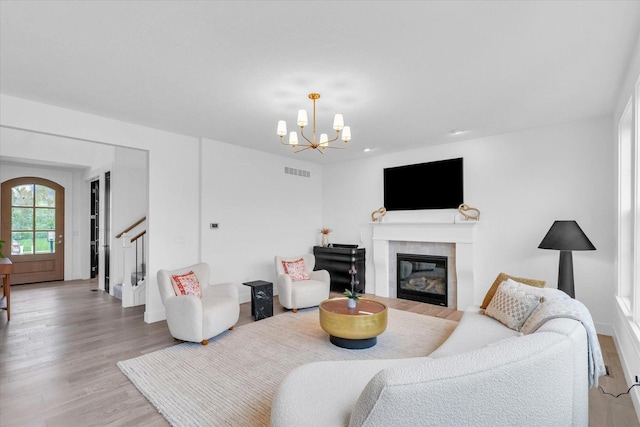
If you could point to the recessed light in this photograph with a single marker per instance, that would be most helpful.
(366, 150)
(457, 131)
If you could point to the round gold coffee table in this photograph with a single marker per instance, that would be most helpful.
(353, 328)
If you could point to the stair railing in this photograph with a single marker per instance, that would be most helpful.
(131, 227)
(130, 294)
(140, 264)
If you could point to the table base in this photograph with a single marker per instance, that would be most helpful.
(353, 344)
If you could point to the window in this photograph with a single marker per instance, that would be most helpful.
(635, 180)
(33, 219)
(625, 204)
(629, 207)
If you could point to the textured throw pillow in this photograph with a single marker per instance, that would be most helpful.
(512, 304)
(295, 269)
(501, 278)
(186, 284)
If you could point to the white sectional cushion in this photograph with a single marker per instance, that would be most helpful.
(474, 331)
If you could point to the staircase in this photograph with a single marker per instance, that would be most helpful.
(138, 283)
(132, 291)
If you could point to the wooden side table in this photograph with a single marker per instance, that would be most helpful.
(261, 299)
(6, 268)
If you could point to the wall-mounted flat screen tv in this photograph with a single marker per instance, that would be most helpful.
(433, 185)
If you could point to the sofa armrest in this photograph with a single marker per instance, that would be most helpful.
(223, 290)
(320, 275)
(285, 290)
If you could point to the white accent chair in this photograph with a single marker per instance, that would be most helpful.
(302, 293)
(197, 319)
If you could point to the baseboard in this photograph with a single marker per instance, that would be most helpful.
(627, 341)
(604, 329)
(154, 316)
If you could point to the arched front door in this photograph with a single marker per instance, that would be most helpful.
(33, 229)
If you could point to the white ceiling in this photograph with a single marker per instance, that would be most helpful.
(403, 73)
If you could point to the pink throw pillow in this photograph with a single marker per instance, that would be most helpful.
(186, 284)
(295, 269)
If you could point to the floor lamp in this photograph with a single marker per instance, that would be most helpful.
(566, 236)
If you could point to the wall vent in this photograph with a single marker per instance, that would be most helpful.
(297, 172)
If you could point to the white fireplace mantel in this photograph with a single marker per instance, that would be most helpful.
(462, 234)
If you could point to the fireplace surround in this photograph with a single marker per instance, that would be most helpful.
(458, 236)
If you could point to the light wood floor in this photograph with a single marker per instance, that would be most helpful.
(58, 359)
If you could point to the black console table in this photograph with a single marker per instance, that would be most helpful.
(261, 299)
(337, 261)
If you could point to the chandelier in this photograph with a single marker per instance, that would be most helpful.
(324, 141)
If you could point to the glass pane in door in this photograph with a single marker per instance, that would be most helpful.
(21, 219)
(45, 196)
(45, 242)
(21, 243)
(22, 195)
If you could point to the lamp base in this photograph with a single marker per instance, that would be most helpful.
(565, 273)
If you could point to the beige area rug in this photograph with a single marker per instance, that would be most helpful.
(231, 381)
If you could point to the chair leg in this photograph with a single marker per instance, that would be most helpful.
(295, 310)
(205, 342)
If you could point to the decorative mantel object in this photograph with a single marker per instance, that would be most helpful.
(469, 213)
(325, 236)
(377, 215)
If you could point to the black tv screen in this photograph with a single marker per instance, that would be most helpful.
(433, 185)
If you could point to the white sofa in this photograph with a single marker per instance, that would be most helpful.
(484, 374)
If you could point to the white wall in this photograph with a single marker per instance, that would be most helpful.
(174, 178)
(19, 144)
(521, 182)
(261, 212)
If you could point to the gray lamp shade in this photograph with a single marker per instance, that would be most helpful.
(566, 236)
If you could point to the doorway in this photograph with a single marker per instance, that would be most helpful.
(33, 225)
